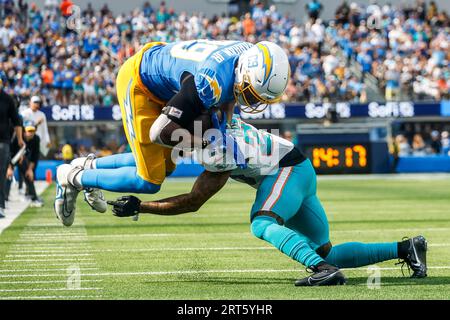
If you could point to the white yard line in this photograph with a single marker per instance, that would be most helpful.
(15, 208)
(47, 247)
(150, 273)
(60, 264)
(24, 235)
(31, 234)
(49, 297)
(55, 240)
(35, 275)
(50, 251)
(50, 289)
(48, 260)
(40, 240)
(47, 281)
(144, 250)
(43, 269)
(178, 272)
(46, 253)
(68, 257)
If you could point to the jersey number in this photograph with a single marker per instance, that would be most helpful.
(196, 50)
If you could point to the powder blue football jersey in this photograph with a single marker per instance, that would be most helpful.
(212, 64)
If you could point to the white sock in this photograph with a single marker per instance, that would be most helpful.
(77, 180)
(94, 164)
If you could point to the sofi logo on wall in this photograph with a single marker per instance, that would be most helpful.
(319, 111)
(73, 113)
(391, 109)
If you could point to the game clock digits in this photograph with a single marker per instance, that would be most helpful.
(342, 158)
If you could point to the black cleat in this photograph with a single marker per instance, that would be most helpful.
(416, 258)
(323, 275)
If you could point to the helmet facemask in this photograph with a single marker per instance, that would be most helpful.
(250, 101)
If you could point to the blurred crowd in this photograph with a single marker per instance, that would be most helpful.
(70, 55)
(405, 49)
(422, 139)
(437, 144)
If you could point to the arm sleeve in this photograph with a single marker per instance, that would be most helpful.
(186, 105)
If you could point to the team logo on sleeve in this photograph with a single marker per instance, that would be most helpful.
(215, 88)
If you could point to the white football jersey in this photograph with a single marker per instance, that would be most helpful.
(262, 150)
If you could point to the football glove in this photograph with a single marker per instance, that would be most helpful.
(126, 206)
(221, 125)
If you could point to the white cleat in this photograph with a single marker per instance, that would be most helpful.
(95, 199)
(66, 195)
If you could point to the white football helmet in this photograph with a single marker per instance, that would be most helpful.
(261, 76)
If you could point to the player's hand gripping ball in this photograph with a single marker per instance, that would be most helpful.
(126, 206)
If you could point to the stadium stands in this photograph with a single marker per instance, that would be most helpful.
(404, 51)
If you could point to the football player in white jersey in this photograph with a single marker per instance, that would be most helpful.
(286, 213)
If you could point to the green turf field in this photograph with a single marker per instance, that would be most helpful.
(212, 254)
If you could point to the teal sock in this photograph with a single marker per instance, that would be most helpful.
(289, 242)
(355, 254)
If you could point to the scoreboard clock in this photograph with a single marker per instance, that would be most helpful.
(339, 158)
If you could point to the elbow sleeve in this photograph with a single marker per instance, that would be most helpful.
(157, 128)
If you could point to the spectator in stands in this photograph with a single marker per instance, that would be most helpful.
(403, 147)
(342, 13)
(435, 143)
(66, 8)
(82, 151)
(248, 26)
(67, 153)
(47, 77)
(68, 82)
(313, 8)
(401, 37)
(89, 11)
(317, 32)
(413, 45)
(39, 120)
(392, 77)
(289, 136)
(418, 145)
(445, 143)
(365, 60)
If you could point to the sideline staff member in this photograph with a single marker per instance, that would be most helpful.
(27, 164)
(8, 117)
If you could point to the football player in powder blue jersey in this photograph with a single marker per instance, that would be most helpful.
(160, 89)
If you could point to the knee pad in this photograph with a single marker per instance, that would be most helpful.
(324, 250)
(260, 224)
